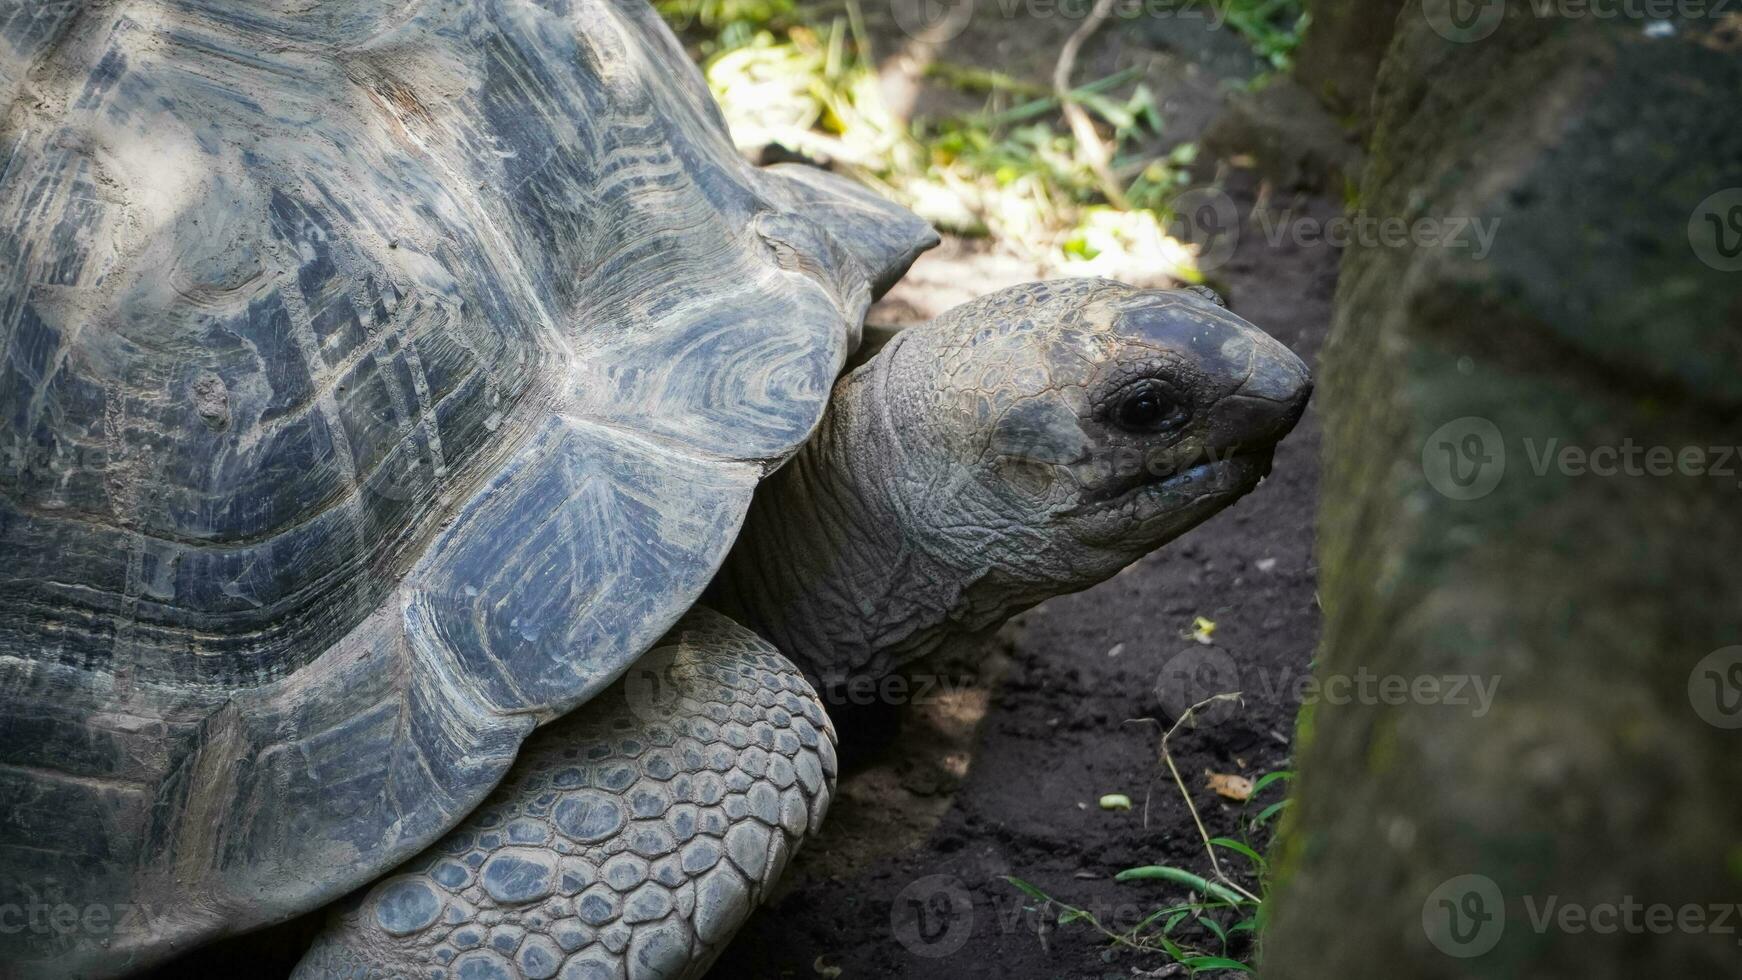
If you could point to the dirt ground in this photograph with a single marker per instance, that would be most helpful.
(990, 762)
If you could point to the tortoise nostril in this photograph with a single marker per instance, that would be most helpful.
(1263, 410)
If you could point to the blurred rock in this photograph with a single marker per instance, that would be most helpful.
(1432, 839)
(1291, 138)
(1339, 57)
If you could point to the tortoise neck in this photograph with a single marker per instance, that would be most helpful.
(830, 566)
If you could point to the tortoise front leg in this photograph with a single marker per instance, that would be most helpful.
(629, 840)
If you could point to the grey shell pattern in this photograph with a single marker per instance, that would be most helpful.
(377, 382)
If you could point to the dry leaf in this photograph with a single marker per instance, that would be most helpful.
(1228, 786)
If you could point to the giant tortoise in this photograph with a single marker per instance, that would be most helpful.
(382, 382)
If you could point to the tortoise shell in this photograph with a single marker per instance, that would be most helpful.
(378, 382)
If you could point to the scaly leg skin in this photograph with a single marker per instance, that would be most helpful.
(629, 840)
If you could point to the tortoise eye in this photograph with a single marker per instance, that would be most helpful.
(1147, 406)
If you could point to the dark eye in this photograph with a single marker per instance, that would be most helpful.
(1147, 407)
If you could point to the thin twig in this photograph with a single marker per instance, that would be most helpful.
(1203, 834)
(1088, 141)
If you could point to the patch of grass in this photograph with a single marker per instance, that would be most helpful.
(1007, 170)
(720, 25)
(1272, 27)
(1216, 927)
(1219, 908)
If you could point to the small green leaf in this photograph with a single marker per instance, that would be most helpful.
(1028, 889)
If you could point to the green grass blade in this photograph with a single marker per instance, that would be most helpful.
(1028, 889)
(1256, 858)
(1269, 778)
(1180, 876)
(1271, 811)
(1200, 963)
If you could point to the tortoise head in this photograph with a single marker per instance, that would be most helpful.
(1086, 422)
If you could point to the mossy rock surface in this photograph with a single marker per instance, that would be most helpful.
(1587, 324)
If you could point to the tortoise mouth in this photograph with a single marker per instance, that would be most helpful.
(1202, 473)
(1211, 475)
(1149, 515)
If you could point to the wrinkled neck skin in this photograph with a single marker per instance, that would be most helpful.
(838, 564)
